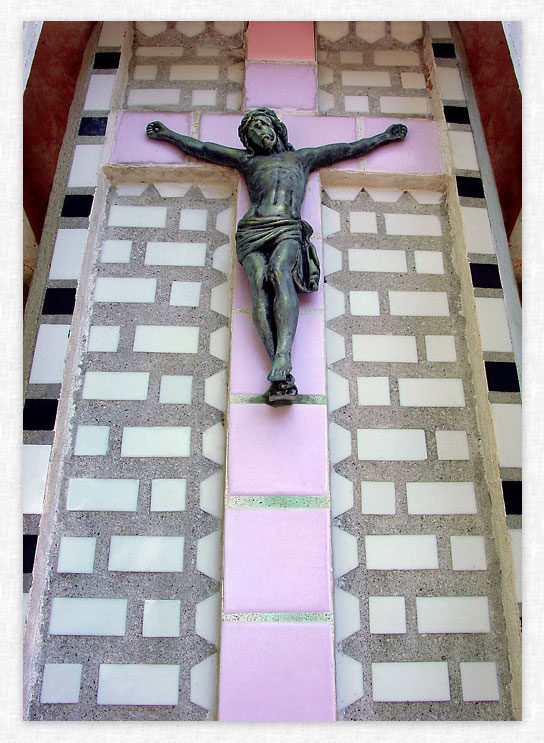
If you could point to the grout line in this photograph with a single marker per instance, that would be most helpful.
(278, 501)
(305, 617)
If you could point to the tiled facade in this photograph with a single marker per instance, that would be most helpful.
(358, 538)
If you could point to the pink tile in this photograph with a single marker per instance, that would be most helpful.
(277, 451)
(132, 145)
(276, 672)
(250, 363)
(283, 86)
(221, 128)
(306, 131)
(418, 153)
(276, 560)
(281, 40)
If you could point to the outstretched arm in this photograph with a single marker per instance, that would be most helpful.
(319, 157)
(214, 153)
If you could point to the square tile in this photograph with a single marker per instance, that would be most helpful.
(193, 219)
(161, 618)
(468, 553)
(91, 440)
(373, 391)
(419, 152)
(61, 683)
(479, 682)
(377, 497)
(168, 494)
(76, 555)
(429, 261)
(440, 348)
(104, 338)
(387, 615)
(452, 445)
(176, 389)
(185, 293)
(364, 303)
(35, 468)
(281, 40)
(116, 251)
(285, 87)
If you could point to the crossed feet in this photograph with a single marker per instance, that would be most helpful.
(283, 390)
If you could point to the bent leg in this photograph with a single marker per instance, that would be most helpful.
(255, 266)
(285, 306)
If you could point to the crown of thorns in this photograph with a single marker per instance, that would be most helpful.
(279, 127)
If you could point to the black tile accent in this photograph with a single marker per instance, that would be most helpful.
(456, 114)
(29, 551)
(511, 490)
(502, 376)
(39, 415)
(106, 60)
(485, 275)
(470, 186)
(59, 302)
(93, 126)
(77, 206)
(443, 50)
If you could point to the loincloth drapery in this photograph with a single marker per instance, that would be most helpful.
(264, 234)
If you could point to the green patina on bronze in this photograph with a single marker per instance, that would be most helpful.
(272, 241)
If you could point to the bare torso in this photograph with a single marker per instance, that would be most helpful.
(276, 184)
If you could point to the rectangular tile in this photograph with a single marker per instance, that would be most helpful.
(477, 228)
(485, 276)
(124, 290)
(138, 684)
(77, 205)
(84, 171)
(30, 542)
(88, 616)
(194, 72)
(507, 421)
(427, 225)
(286, 87)
(153, 97)
(68, 254)
(441, 497)
(401, 552)
(366, 79)
(39, 415)
(391, 104)
(463, 150)
(165, 339)
(99, 385)
(470, 186)
(512, 493)
(49, 354)
(156, 441)
(388, 348)
(456, 115)
(419, 304)
(59, 301)
(175, 254)
(502, 376)
(494, 329)
(102, 494)
(146, 554)
(410, 682)
(137, 216)
(428, 392)
(445, 614)
(391, 444)
(281, 40)
(396, 58)
(99, 93)
(390, 261)
(35, 467)
(451, 87)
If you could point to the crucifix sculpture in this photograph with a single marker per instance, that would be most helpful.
(272, 241)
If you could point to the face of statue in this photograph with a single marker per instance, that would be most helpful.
(262, 135)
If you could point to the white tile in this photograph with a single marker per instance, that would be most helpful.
(429, 261)
(391, 444)
(104, 337)
(468, 553)
(406, 31)
(138, 684)
(440, 29)
(344, 552)
(426, 197)
(507, 421)
(441, 497)
(168, 495)
(207, 618)
(131, 189)
(176, 389)
(349, 681)
(98, 494)
(377, 497)
(401, 552)
(49, 354)
(370, 31)
(223, 223)
(204, 682)
(222, 259)
(166, 339)
(220, 299)
(339, 443)
(364, 304)
(410, 682)
(396, 58)
(76, 555)
(153, 97)
(68, 254)
(419, 304)
(479, 682)
(116, 251)
(445, 614)
(109, 289)
(324, 75)
(216, 190)
(335, 303)
(342, 193)
(91, 440)
(366, 79)
(384, 348)
(516, 546)
(99, 93)
(137, 216)
(426, 225)
(208, 555)
(167, 189)
(220, 343)
(351, 58)
(212, 491)
(413, 80)
(194, 72)
(161, 618)
(204, 97)
(387, 615)
(236, 73)
(377, 261)
(35, 467)
(440, 348)
(85, 165)
(356, 103)
(463, 150)
(335, 345)
(332, 260)
(175, 254)
(363, 222)
(337, 391)
(185, 293)
(391, 104)
(233, 101)
(151, 28)
(333, 30)
(347, 618)
(478, 235)
(158, 51)
(115, 385)
(156, 441)
(145, 72)
(191, 28)
(384, 195)
(341, 494)
(373, 391)
(146, 554)
(88, 616)
(112, 33)
(428, 392)
(215, 390)
(493, 324)
(213, 443)
(330, 221)
(452, 445)
(193, 219)
(451, 87)
(61, 683)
